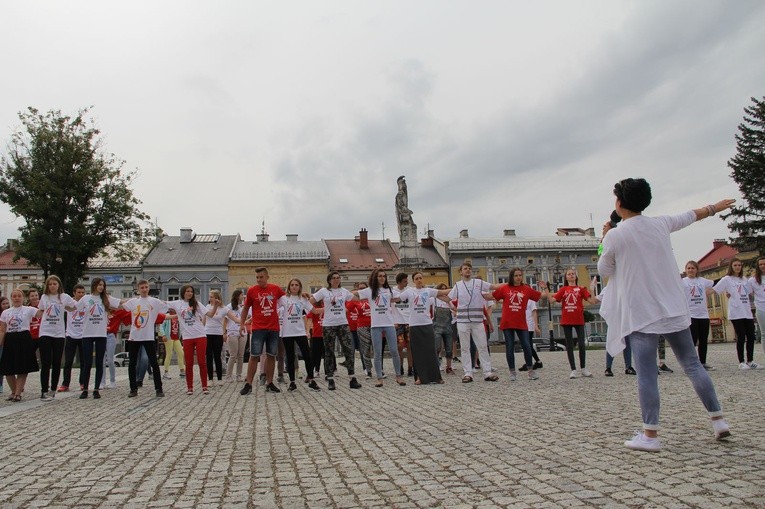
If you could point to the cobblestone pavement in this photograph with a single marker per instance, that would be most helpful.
(553, 442)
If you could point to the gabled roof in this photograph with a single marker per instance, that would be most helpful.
(429, 255)
(719, 255)
(172, 252)
(110, 259)
(523, 243)
(280, 250)
(6, 261)
(347, 255)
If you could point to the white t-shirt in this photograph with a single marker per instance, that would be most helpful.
(470, 301)
(400, 309)
(759, 292)
(695, 292)
(232, 328)
(214, 323)
(18, 319)
(293, 310)
(334, 305)
(74, 323)
(52, 323)
(645, 291)
(530, 323)
(96, 317)
(381, 307)
(419, 303)
(143, 316)
(738, 302)
(191, 324)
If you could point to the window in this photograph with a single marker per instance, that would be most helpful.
(173, 293)
(343, 260)
(127, 294)
(502, 279)
(598, 283)
(379, 260)
(531, 280)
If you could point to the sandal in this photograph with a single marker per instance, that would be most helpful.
(442, 381)
(17, 398)
(467, 379)
(378, 384)
(491, 378)
(400, 382)
(417, 382)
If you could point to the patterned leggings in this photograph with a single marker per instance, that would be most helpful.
(341, 333)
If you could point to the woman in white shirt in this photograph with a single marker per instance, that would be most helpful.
(96, 307)
(295, 310)
(646, 300)
(18, 359)
(758, 287)
(191, 320)
(236, 342)
(737, 288)
(52, 305)
(214, 332)
(696, 291)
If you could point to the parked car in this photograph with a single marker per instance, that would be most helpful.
(544, 344)
(596, 341)
(121, 359)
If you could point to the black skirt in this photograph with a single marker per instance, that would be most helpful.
(422, 342)
(18, 354)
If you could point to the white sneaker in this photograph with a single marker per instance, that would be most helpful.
(532, 375)
(103, 386)
(640, 442)
(586, 372)
(166, 376)
(753, 365)
(513, 376)
(743, 365)
(111, 385)
(46, 397)
(574, 374)
(721, 429)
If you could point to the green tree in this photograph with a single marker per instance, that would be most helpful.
(74, 198)
(748, 170)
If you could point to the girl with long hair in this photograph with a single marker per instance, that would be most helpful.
(52, 305)
(236, 342)
(18, 359)
(573, 298)
(738, 289)
(96, 307)
(294, 312)
(214, 331)
(191, 319)
(380, 297)
(696, 290)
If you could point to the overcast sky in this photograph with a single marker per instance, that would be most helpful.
(506, 114)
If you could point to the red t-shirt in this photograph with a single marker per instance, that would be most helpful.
(514, 300)
(118, 317)
(34, 327)
(316, 328)
(365, 313)
(263, 302)
(352, 313)
(572, 300)
(175, 332)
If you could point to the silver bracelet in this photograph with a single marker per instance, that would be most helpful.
(711, 210)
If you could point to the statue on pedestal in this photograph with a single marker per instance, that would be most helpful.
(407, 230)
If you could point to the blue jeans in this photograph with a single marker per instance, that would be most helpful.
(269, 338)
(627, 353)
(644, 351)
(111, 346)
(525, 338)
(391, 339)
(142, 365)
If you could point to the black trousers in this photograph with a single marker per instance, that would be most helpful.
(134, 348)
(213, 354)
(51, 350)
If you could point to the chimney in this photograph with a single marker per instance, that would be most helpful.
(590, 232)
(292, 237)
(718, 243)
(12, 244)
(508, 233)
(363, 239)
(262, 237)
(427, 241)
(464, 234)
(186, 235)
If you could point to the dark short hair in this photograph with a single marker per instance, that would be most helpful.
(634, 194)
(260, 270)
(401, 276)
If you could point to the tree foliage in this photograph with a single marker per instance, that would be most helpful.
(75, 199)
(748, 170)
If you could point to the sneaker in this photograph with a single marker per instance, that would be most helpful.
(102, 387)
(183, 374)
(753, 365)
(139, 383)
(166, 376)
(708, 367)
(133, 394)
(721, 429)
(640, 442)
(609, 372)
(410, 371)
(456, 359)
(665, 368)
(280, 379)
(63, 388)
(384, 375)
(46, 397)
(630, 371)
(229, 380)
(190, 392)
(513, 376)
(272, 388)
(533, 376)
(238, 378)
(369, 374)
(292, 387)
(523, 368)
(160, 394)
(96, 395)
(221, 383)
(262, 380)
(205, 390)
(84, 395)
(538, 365)
(574, 374)
(491, 378)
(743, 365)
(586, 373)
(331, 384)
(246, 389)
(355, 384)
(313, 385)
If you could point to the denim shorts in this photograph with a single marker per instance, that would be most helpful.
(268, 337)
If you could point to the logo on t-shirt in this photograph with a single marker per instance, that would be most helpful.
(141, 318)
